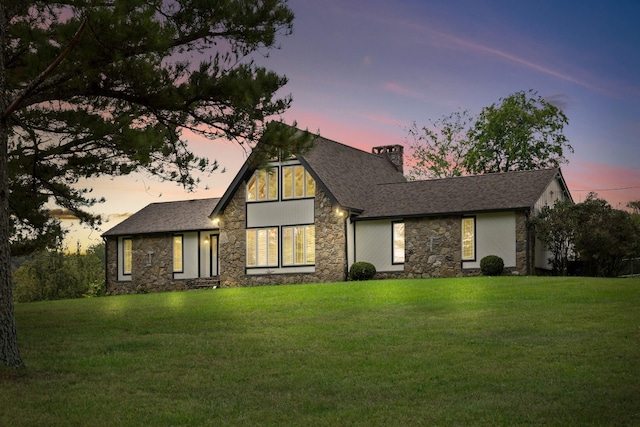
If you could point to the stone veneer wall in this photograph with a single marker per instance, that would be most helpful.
(442, 256)
(439, 257)
(149, 273)
(330, 247)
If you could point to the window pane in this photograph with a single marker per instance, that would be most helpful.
(177, 253)
(310, 243)
(273, 246)
(273, 184)
(251, 188)
(287, 246)
(287, 182)
(398, 242)
(262, 184)
(251, 248)
(127, 255)
(298, 186)
(262, 247)
(298, 240)
(468, 240)
(311, 185)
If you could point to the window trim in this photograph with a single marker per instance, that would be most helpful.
(173, 253)
(462, 239)
(124, 241)
(305, 191)
(272, 171)
(393, 243)
(256, 248)
(304, 262)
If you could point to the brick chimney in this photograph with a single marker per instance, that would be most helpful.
(395, 153)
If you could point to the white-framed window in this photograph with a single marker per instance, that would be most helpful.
(127, 256)
(299, 245)
(263, 185)
(398, 243)
(469, 239)
(262, 247)
(178, 253)
(297, 182)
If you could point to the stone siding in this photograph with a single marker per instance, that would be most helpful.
(432, 247)
(151, 268)
(330, 247)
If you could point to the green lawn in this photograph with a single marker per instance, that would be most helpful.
(474, 351)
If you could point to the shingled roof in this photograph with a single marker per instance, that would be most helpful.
(478, 193)
(347, 174)
(166, 217)
(344, 173)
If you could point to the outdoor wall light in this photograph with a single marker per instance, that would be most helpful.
(215, 221)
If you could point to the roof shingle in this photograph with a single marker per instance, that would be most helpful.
(187, 215)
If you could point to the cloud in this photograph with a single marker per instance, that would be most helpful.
(401, 90)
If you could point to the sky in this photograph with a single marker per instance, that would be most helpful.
(361, 72)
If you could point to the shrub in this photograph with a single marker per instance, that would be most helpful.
(491, 265)
(362, 271)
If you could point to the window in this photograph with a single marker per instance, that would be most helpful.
(297, 182)
(262, 247)
(468, 239)
(177, 254)
(398, 242)
(299, 245)
(127, 256)
(263, 185)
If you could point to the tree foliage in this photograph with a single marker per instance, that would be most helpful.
(53, 274)
(522, 132)
(439, 150)
(91, 88)
(592, 232)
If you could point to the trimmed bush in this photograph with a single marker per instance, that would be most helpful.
(362, 271)
(491, 265)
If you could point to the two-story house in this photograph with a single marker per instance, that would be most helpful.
(308, 218)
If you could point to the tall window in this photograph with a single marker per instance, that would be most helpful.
(468, 238)
(127, 256)
(263, 185)
(299, 245)
(177, 254)
(398, 242)
(262, 247)
(297, 182)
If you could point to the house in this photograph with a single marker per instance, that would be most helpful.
(308, 218)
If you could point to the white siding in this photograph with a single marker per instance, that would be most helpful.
(374, 244)
(495, 235)
(190, 256)
(270, 214)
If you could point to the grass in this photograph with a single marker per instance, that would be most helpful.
(473, 351)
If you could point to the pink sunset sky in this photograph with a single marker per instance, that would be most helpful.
(361, 72)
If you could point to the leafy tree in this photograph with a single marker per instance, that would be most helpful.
(555, 227)
(592, 232)
(439, 150)
(53, 274)
(605, 236)
(90, 88)
(523, 132)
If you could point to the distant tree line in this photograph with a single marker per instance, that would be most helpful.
(590, 238)
(54, 274)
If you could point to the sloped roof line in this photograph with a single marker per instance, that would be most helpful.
(164, 217)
